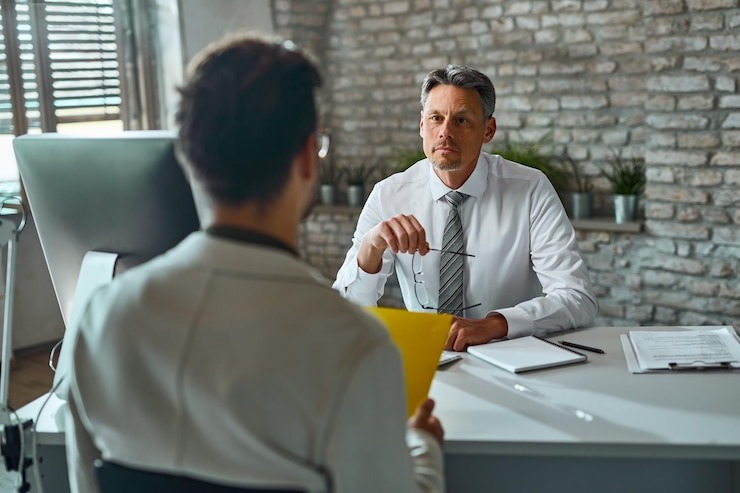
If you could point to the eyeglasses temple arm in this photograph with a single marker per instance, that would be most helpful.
(452, 252)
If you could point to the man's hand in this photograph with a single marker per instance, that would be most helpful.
(401, 233)
(424, 420)
(466, 332)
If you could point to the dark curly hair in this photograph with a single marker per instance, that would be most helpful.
(247, 107)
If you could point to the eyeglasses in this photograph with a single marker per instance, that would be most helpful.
(323, 141)
(420, 290)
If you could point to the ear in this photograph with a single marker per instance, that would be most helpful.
(307, 159)
(421, 124)
(490, 130)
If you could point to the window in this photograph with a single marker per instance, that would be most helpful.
(61, 70)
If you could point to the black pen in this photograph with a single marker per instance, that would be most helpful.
(581, 346)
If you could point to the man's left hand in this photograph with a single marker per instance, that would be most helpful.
(466, 332)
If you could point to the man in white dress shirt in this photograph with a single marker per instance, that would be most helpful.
(227, 359)
(522, 270)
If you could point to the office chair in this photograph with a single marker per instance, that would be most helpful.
(115, 478)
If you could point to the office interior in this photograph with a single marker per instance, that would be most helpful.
(643, 79)
(590, 79)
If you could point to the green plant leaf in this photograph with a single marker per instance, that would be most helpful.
(535, 155)
(405, 158)
(329, 173)
(358, 174)
(627, 175)
(581, 184)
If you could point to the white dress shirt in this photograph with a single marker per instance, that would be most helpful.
(527, 263)
(233, 363)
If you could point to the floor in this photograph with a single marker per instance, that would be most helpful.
(30, 377)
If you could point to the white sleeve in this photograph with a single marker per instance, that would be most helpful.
(81, 450)
(428, 459)
(568, 299)
(352, 282)
(369, 449)
(80, 447)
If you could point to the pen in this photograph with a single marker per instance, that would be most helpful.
(581, 346)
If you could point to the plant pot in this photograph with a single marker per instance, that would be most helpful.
(355, 195)
(625, 208)
(581, 205)
(328, 194)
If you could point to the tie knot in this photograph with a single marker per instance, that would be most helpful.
(455, 198)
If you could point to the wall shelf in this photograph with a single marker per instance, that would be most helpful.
(606, 224)
(330, 209)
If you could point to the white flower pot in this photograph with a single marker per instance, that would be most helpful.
(581, 205)
(625, 208)
(355, 195)
(328, 194)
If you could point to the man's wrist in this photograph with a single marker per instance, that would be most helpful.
(369, 259)
(501, 325)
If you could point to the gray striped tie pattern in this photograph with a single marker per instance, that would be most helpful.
(451, 265)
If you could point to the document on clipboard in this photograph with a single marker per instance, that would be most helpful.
(685, 349)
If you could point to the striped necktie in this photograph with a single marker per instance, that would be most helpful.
(451, 265)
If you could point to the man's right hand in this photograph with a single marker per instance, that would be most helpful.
(424, 420)
(401, 233)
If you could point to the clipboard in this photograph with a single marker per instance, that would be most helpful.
(634, 367)
(420, 338)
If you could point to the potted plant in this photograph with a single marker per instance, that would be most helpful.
(401, 160)
(357, 176)
(534, 155)
(405, 158)
(581, 195)
(329, 177)
(627, 179)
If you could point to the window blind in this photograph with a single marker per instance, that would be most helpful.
(67, 53)
(31, 99)
(6, 107)
(83, 59)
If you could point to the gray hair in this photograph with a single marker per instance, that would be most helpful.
(464, 78)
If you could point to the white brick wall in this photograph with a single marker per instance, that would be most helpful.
(655, 79)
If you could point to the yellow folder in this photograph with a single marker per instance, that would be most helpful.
(420, 337)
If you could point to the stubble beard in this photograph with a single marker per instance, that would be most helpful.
(448, 166)
(444, 164)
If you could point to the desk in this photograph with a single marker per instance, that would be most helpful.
(50, 443)
(593, 427)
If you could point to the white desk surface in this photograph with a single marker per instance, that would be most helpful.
(595, 409)
(49, 424)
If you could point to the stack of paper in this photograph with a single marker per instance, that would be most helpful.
(686, 349)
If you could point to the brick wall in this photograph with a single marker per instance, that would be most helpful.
(324, 240)
(653, 79)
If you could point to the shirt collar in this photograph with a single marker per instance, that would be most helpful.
(474, 186)
(249, 236)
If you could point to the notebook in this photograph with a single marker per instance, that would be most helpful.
(526, 354)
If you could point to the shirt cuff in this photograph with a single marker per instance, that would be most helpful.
(518, 321)
(364, 280)
(360, 287)
(428, 460)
